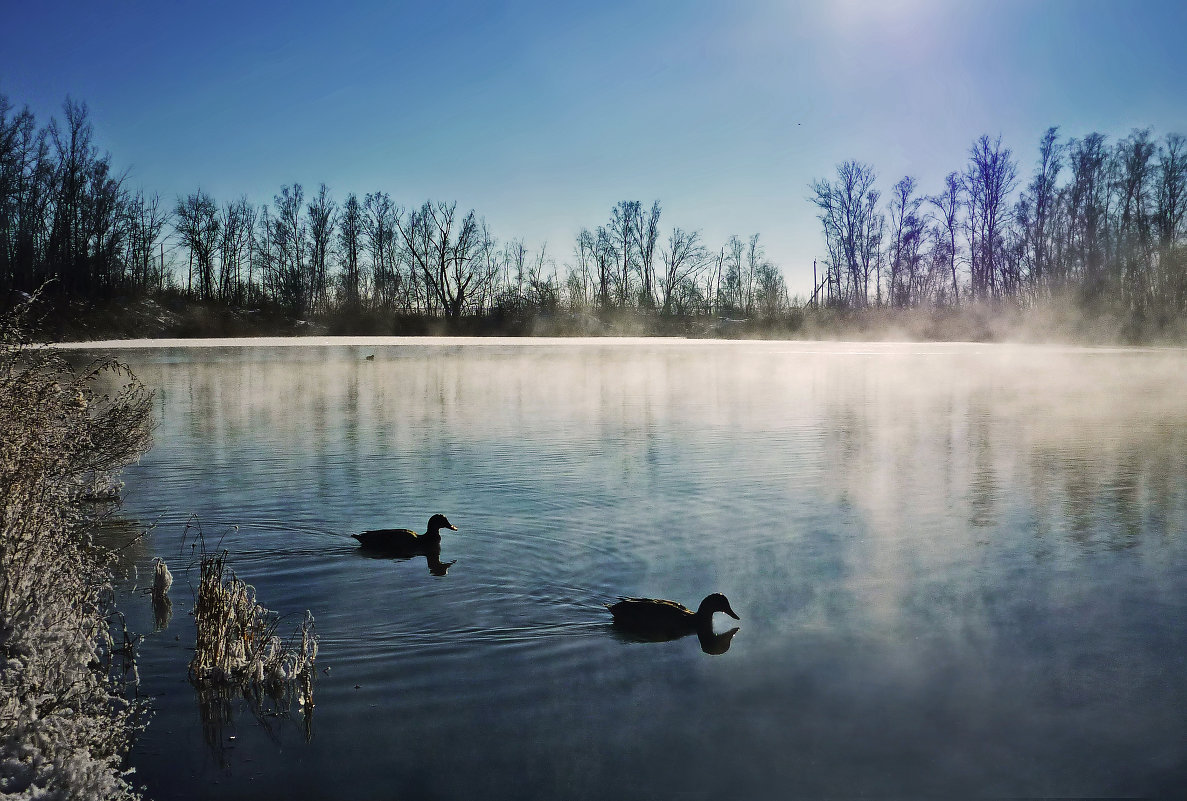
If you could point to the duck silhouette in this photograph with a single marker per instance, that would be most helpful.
(405, 541)
(657, 620)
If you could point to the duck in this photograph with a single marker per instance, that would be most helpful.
(405, 540)
(667, 619)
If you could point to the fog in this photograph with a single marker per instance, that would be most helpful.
(945, 557)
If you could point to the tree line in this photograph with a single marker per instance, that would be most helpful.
(69, 218)
(1097, 222)
(313, 255)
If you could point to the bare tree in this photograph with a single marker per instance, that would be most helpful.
(852, 231)
(197, 223)
(1086, 232)
(581, 276)
(1133, 240)
(542, 284)
(623, 219)
(288, 274)
(948, 204)
(734, 261)
(869, 251)
(236, 224)
(1171, 192)
(606, 256)
(907, 230)
(646, 228)
(379, 232)
(1169, 214)
(988, 181)
(322, 213)
(515, 261)
(74, 154)
(755, 258)
(26, 189)
(684, 259)
(350, 244)
(446, 251)
(770, 290)
(1039, 209)
(489, 266)
(146, 223)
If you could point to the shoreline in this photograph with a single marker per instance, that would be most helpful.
(176, 321)
(804, 345)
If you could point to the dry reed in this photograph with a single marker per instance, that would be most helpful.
(237, 644)
(161, 604)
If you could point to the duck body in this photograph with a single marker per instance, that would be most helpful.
(661, 618)
(405, 540)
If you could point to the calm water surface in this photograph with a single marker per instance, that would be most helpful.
(961, 569)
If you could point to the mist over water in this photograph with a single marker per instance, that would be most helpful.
(960, 569)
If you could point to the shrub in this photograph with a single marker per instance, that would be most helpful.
(65, 725)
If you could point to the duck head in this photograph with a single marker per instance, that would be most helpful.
(715, 603)
(438, 522)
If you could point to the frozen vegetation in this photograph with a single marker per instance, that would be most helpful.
(65, 723)
(237, 644)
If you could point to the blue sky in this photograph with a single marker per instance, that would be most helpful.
(542, 115)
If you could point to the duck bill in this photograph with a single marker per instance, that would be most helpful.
(730, 612)
(452, 528)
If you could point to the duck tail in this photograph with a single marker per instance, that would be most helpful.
(357, 537)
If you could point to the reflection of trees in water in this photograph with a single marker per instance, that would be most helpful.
(1092, 452)
(1110, 494)
(984, 487)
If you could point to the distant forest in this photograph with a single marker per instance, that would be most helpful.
(1096, 225)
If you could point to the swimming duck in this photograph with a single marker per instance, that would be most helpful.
(667, 618)
(405, 540)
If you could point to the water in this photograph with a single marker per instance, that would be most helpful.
(960, 569)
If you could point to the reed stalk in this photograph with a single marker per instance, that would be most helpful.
(237, 642)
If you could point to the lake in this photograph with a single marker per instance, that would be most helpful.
(960, 569)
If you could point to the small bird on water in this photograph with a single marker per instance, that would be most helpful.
(405, 540)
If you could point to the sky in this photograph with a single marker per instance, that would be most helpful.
(542, 115)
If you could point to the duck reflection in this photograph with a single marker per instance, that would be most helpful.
(432, 555)
(436, 566)
(712, 642)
